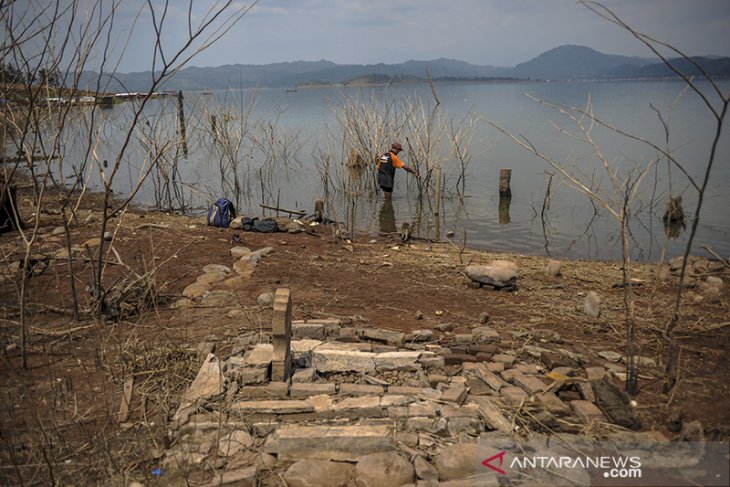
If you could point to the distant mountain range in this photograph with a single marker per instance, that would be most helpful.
(561, 63)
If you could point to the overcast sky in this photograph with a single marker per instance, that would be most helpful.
(493, 32)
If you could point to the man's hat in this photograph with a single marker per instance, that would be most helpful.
(396, 146)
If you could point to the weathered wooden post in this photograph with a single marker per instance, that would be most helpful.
(437, 204)
(505, 175)
(318, 209)
(181, 118)
(505, 195)
(281, 332)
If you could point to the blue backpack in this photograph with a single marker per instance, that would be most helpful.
(221, 213)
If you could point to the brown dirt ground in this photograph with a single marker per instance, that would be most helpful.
(58, 418)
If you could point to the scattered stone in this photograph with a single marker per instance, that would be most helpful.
(553, 268)
(616, 404)
(485, 334)
(259, 356)
(245, 477)
(610, 356)
(483, 317)
(265, 300)
(386, 336)
(195, 290)
(304, 375)
(234, 442)
(586, 391)
(219, 299)
(207, 383)
(315, 473)
(595, 373)
(210, 278)
(592, 304)
(308, 330)
(507, 360)
(532, 385)
(424, 470)
(216, 268)
(456, 461)
(587, 412)
(498, 274)
(513, 395)
(420, 336)
(383, 470)
(553, 404)
(454, 393)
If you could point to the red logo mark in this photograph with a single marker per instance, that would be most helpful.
(487, 463)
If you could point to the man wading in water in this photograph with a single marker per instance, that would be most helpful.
(387, 165)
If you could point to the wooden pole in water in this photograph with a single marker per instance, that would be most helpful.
(318, 210)
(181, 118)
(437, 203)
(505, 175)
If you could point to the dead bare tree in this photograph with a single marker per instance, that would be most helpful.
(66, 38)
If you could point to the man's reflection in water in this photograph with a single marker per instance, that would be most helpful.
(387, 217)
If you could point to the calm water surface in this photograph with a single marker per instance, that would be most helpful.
(572, 227)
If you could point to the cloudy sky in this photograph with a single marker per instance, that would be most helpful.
(493, 32)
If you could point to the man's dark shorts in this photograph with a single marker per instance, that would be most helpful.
(386, 189)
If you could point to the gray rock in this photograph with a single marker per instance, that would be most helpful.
(592, 304)
(457, 461)
(216, 268)
(207, 383)
(234, 442)
(265, 300)
(217, 299)
(383, 470)
(499, 273)
(424, 470)
(610, 356)
(315, 473)
(553, 268)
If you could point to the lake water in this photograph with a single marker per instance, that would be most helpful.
(571, 227)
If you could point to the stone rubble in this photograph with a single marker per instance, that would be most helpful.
(331, 403)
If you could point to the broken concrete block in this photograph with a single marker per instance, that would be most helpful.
(454, 393)
(386, 336)
(304, 375)
(308, 330)
(587, 412)
(361, 389)
(270, 390)
(342, 361)
(259, 355)
(553, 404)
(513, 395)
(397, 361)
(310, 473)
(208, 382)
(272, 407)
(338, 443)
(492, 415)
(356, 407)
(310, 389)
(532, 385)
